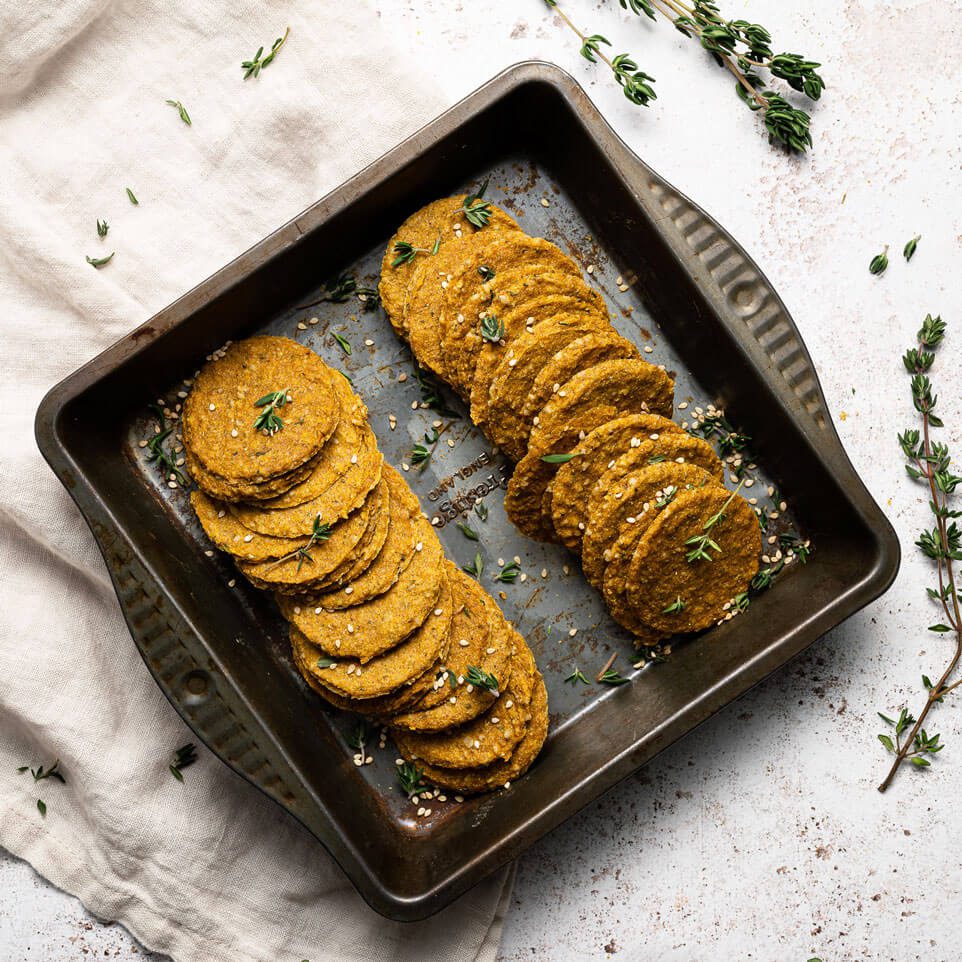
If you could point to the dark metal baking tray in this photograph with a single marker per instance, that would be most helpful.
(220, 653)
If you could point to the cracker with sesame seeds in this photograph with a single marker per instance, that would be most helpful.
(234, 491)
(521, 299)
(518, 366)
(366, 631)
(337, 501)
(661, 572)
(305, 573)
(581, 354)
(532, 474)
(395, 555)
(220, 411)
(628, 385)
(628, 505)
(305, 659)
(473, 292)
(471, 781)
(480, 637)
(569, 490)
(351, 449)
(228, 534)
(418, 653)
(442, 218)
(489, 737)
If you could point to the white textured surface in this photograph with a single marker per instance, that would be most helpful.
(761, 836)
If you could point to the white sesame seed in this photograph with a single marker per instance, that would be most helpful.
(590, 268)
(211, 407)
(463, 642)
(248, 538)
(545, 202)
(232, 582)
(301, 326)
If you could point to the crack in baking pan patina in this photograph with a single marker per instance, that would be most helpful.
(675, 283)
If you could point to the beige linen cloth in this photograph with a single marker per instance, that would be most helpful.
(208, 870)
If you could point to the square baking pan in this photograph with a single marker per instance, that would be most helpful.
(675, 283)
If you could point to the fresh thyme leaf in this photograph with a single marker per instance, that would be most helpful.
(577, 676)
(184, 757)
(558, 458)
(481, 510)
(39, 774)
(699, 544)
(666, 496)
(657, 459)
(42, 807)
(675, 607)
(268, 420)
(431, 396)
(421, 453)
(343, 342)
(320, 532)
(911, 247)
(481, 679)
(411, 779)
(131, 198)
(508, 573)
(324, 663)
(369, 297)
(155, 445)
(880, 262)
(359, 738)
(255, 65)
(102, 228)
(487, 273)
(610, 677)
(492, 329)
(468, 531)
(100, 261)
(477, 211)
(590, 48)
(476, 568)
(181, 110)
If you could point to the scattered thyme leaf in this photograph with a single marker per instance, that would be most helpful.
(558, 458)
(610, 677)
(411, 779)
(481, 679)
(100, 261)
(577, 676)
(880, 262)
(131, 198)
(155, 445)
(675, 607)
(911, 247)
(184, 757)
(343, 342)
(481, 510)
(42, 807)
(492, 329)
(181, 110)
(102, 228)
(468, 531)
(476, 567)
(487, 273)
(508, 573)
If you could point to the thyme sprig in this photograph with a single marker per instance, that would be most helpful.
(699, 544)
(929, 462)
(508, 573)
(155, 445)
(268, 420)
(184, 757)
(40, 773)
(102, 228)
(634, 82)
(320, 531)
(340, 288)
(577, 676)
(405, 252)
(476, 567)
(358, 740)
(431, 396)
(477, 211)
(492, 329)
(481, 679)
(411, 779)
(256, 64)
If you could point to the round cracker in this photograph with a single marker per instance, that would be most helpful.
(631, 500)
(366, 631)
(470, 296)
(628, 385)
(407, 695)
(518, 366)
(532, 474)
(581, 354)
(520, 299)
(442, 218)
(482, 740)
(234, 491)
(470, 781)
(220, 411)
(228, 534)
(337, 501)
(417, 654)
(395, 555)
(574, 481)
(297, 574)
(660, 572)
(351, 444)
(480, 638)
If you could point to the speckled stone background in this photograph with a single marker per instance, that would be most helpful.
(761, 836)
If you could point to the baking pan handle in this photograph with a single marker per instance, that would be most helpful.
(739, 292)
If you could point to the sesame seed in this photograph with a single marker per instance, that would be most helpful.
(509, 704)
(590, 268)
(437, 611)
(463, 642)
(495, 720)
(248, 538)
(683, 406)
(353, 459)
(232, 582)
(572, 632)
(349, 590)
(211, 407)
(210, 554)
(545, 202)
(649, 349)
(301, 326)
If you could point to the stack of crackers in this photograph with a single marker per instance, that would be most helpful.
(292, 485)
(510, 323)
